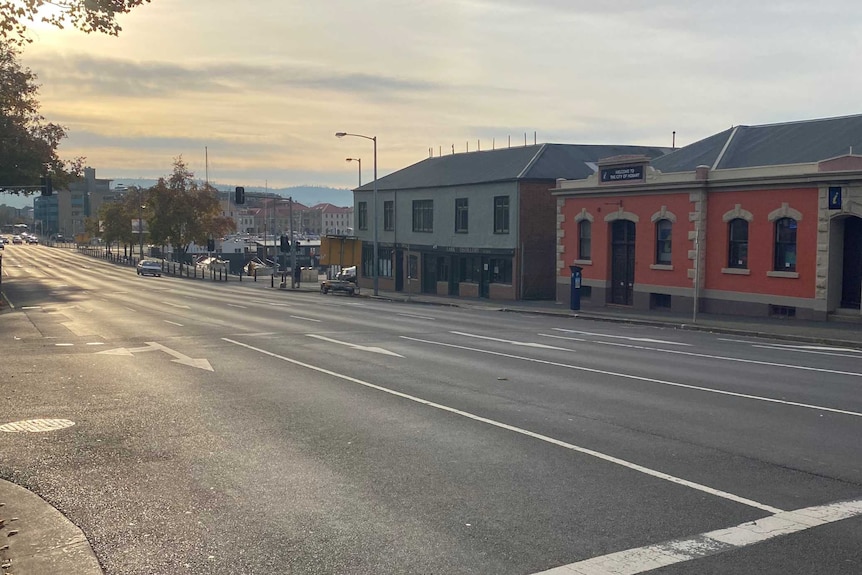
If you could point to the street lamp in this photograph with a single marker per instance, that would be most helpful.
(375, 264)
(141, 209)
(360, 168)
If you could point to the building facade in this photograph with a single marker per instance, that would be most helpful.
(476, 224)
(756, 220)
(66, 210)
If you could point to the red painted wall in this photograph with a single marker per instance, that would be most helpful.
(644, 207)
(761, 240)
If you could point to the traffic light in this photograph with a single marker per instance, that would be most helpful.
(46, 185)
(285, 245)
(239, 197)
(210, 245)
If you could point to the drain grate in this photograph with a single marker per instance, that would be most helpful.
(36, 425)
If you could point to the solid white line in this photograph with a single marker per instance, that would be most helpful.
(814, 351)
(235, 305)
(642, 378)
(173, 323)
(628, 337)
(754, 361)
(305, 318)
(417, 316)
(545, 438)
(259, 334)
(130, 308)
(641, 559)
(518, 343)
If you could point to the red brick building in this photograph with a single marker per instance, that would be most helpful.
(756, 220)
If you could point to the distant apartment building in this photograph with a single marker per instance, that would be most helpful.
(335, 219)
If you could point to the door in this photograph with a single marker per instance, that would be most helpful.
(399, 270)
(429, 274)
(485, 278)
(622, 262)
(851, 282)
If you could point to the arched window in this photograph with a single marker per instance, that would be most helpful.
(663, 229)
(737, 244)
(584, 240)
(785, 245)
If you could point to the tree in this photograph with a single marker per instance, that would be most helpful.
(28, 144)
(116, 224)
(180, 212)
(85, 15)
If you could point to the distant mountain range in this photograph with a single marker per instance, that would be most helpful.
(308, 195)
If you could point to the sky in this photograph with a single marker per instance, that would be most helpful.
(252, 93)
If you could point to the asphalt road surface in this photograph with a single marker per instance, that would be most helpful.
(234, 428)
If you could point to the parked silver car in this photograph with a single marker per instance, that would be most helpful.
(150, 267)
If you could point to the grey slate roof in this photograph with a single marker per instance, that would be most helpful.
(769, 145)
(536, 162)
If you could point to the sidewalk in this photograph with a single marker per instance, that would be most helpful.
(36, 539)
(835, 333)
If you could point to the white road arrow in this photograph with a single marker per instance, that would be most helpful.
(154, 346)
(355, 346)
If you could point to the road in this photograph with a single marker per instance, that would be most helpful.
(234, 428)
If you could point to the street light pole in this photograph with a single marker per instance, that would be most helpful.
(360, 168)
(374, 264)
(141, 230)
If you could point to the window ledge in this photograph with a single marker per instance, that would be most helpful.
(791, 275)
(662, 267)
(582, 262)
(736, 271)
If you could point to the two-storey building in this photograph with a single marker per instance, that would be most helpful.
(476, 224)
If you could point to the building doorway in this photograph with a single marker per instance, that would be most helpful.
(851, 280)
(622, 262)
(429, 273)
(399, 270)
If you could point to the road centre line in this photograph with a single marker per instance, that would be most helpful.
(628, 337)
(236, 305)
(816, 352)
(173, 323)
(306, 318)
(509, 341)
(583, 450)
(691, 353)
(642, 378)
(417, 316)
(639, 560)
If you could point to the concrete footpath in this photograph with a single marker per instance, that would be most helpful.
(36, 539)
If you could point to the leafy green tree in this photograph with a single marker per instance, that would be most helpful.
(85, 15)
(115, 225)
(180, 212)
(28, 144)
